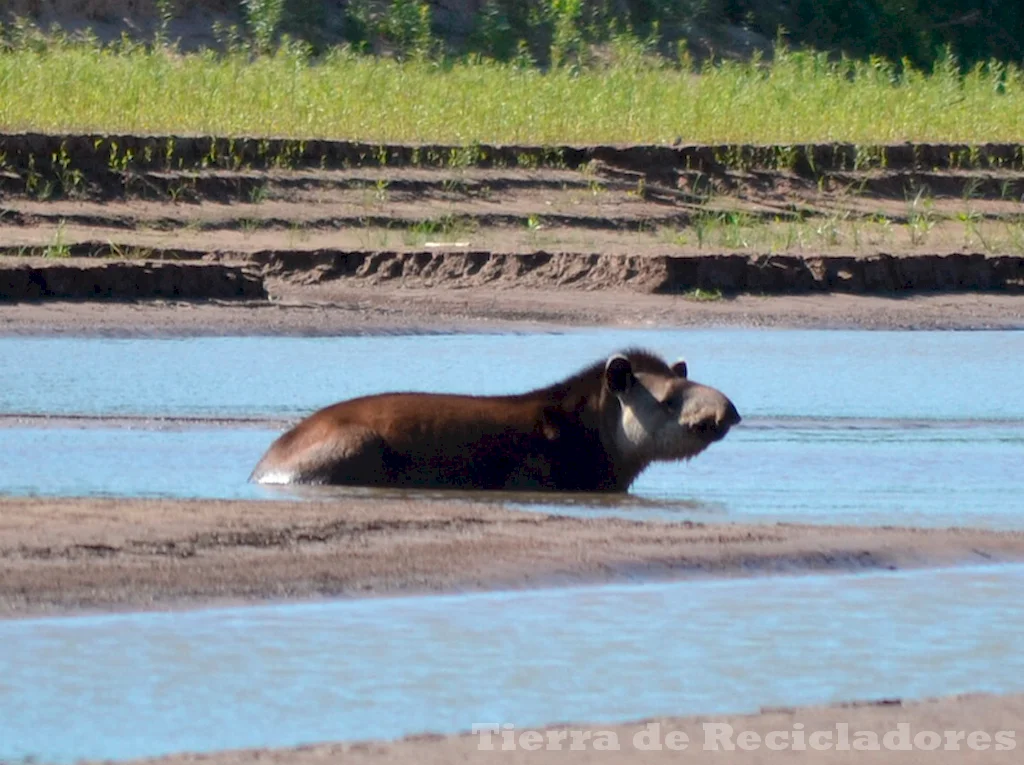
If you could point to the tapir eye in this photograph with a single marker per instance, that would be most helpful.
(680, 368)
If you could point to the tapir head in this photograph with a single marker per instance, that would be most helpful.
(658, 413)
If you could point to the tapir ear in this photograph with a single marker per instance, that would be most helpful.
(618, 374)
(680, 368)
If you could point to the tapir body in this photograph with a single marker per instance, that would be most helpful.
(595, 431)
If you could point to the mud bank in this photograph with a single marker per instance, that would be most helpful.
(61, 554)
(129, 281)
(329, 309)
(636, 741)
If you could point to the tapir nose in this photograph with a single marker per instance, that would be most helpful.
(731, 416)
(712, 413)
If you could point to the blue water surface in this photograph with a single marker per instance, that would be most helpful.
(769, 373)
(918, 428)
(133, 685)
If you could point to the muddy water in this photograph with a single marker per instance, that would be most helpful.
(130, 685)
(857, 427)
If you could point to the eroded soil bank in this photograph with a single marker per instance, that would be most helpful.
(766, 220)
(70, 554)
(37, 279)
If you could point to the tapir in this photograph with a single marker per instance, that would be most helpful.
(595, 431)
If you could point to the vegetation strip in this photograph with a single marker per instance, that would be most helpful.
(62, 155)
(798, 98)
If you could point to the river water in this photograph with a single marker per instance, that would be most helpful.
(131, 685)
(914, 428)
(923, 428)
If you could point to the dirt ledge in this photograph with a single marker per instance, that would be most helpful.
(669, 274)
(228, 277)
(123, 280)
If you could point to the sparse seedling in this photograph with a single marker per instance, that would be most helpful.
(58, 246)
(527, 161)
(263, 18)
(165, 13)
(248, 227)
(69, 179)
(920, 219)
(703, 224)
(176, 190)
(534, 226)
(454, 186)
(828, 230)
(128, 252)
(971, 187)
(465, 156)
(703, 295)
(735, 230)
(258, 194)
(373, 237)
(33, 180)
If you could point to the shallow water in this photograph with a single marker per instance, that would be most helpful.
(143, 461)
(922, 428)
(920, 473)
(768, 373)
(880, 427)
(815, 471)
(132, 685)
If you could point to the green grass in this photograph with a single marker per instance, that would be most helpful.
(703, 296)
(842, 233)
(800, 98)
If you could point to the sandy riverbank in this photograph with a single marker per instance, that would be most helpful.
(881, 726)
(58, 555)
(335, 310)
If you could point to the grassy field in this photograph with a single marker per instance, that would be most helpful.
(799, 98)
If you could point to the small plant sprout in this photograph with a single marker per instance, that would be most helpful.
(58, 246)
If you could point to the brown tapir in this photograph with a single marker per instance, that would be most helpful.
(595, 431)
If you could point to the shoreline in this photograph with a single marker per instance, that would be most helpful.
(332, 310)
(67, 556)
(891, 730)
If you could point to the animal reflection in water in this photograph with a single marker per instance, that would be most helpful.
(595, 431)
